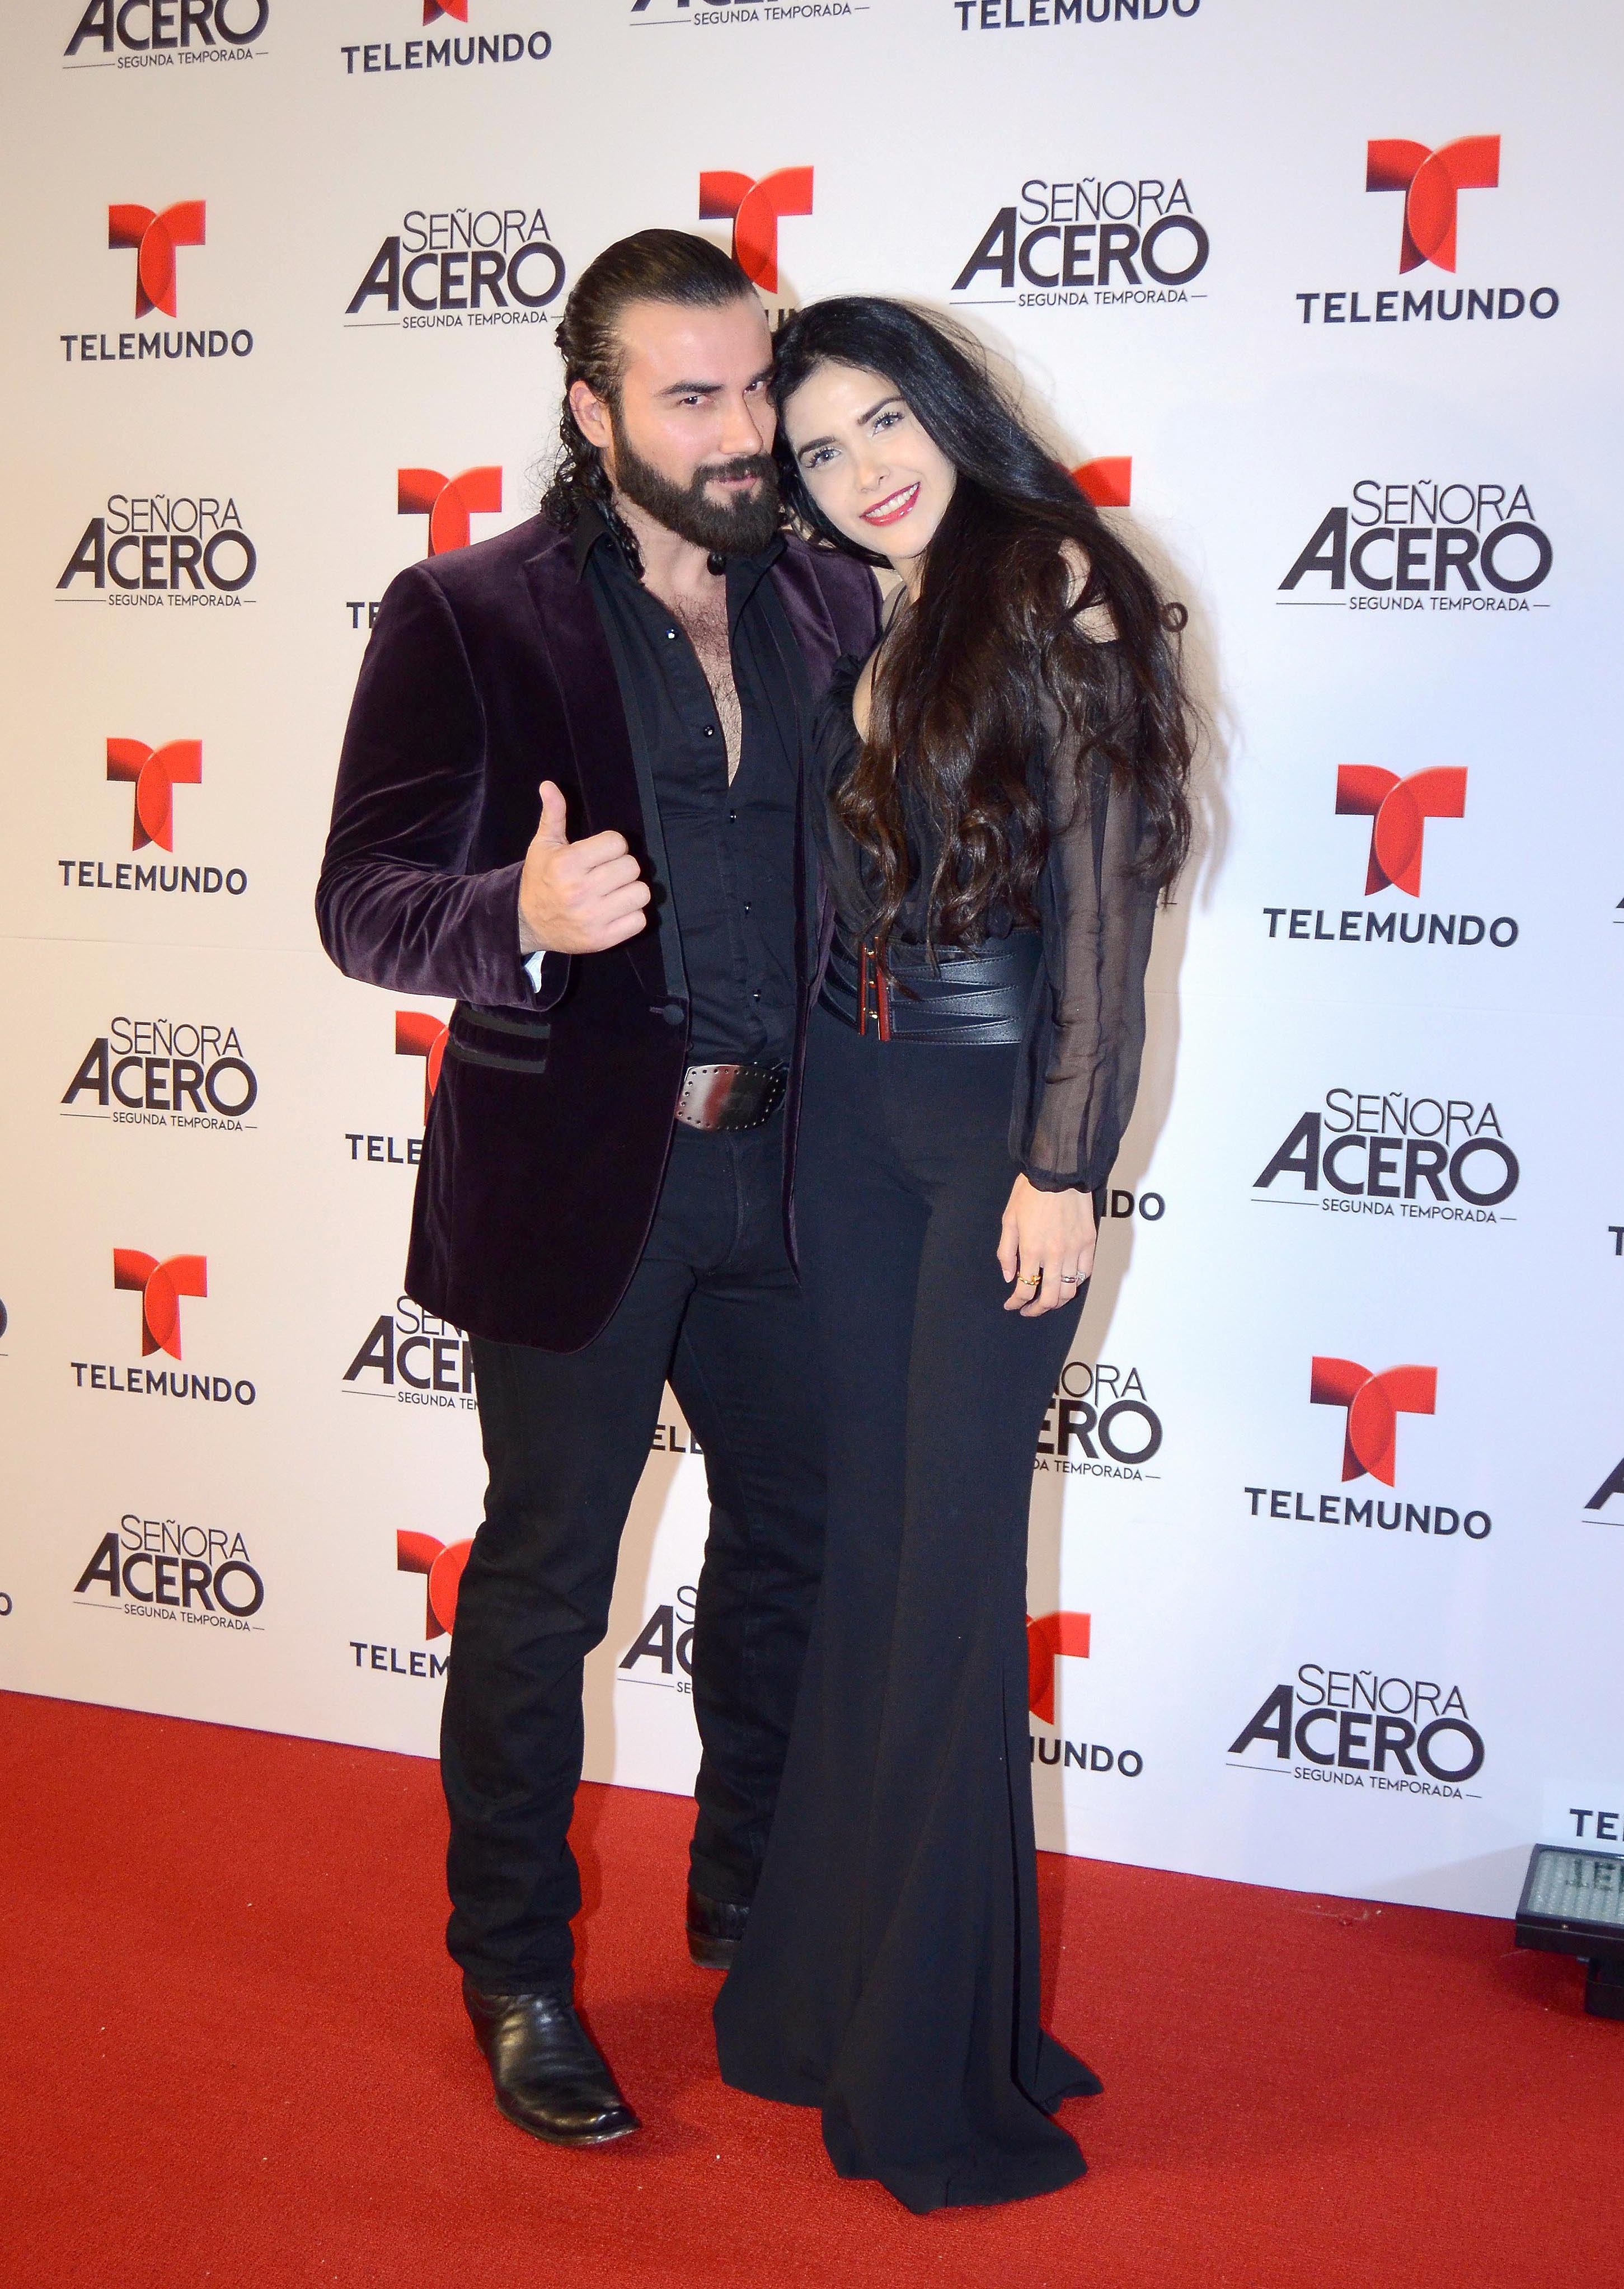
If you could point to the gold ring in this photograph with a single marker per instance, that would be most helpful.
(1029, 1279)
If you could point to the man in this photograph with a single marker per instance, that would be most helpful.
(603, 1197)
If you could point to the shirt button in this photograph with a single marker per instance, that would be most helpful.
(671, 636)
(710, 730)
(755, 997)
(746, 905)
(733, 818)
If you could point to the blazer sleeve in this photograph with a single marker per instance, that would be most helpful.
(395, 904)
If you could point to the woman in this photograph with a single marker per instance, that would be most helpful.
(1004, 783)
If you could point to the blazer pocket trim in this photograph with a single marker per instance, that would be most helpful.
(487, 1021)
(494, 1060)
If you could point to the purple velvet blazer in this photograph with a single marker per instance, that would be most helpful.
(488, 671)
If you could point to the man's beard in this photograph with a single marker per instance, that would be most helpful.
(739, 527)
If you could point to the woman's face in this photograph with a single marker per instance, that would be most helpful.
(867, 461)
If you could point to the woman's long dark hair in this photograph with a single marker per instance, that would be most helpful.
(959, 709)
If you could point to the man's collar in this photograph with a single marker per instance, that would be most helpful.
(744, 572)
(591, 526)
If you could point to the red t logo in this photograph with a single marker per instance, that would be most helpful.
(155, 772)
(420, 1553)
(1400, 810)
(417, 1035)
(155, 238)
(448, 502)
(1053, 1637)
(1107, 482)
(1374, 1402)
(161, 1287)
(433, 9)
(1431, 181)
(754, 210)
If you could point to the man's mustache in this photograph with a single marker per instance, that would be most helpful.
(744, 465)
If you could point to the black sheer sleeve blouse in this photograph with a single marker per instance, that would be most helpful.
(1078, 1070)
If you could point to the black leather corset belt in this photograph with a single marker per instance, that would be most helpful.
(975, 1000)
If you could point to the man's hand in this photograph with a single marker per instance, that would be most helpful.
(576, 897)
(1045, 1247)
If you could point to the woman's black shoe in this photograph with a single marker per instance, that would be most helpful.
(715, 1930)
(549, 2076)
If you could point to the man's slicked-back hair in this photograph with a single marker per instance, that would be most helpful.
(652, 265)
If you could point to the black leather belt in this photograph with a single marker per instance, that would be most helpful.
(729, 1097)
(972, 1000)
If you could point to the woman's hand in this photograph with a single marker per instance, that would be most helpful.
(1050, 1234)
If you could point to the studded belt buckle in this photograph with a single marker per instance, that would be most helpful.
(729, 1097)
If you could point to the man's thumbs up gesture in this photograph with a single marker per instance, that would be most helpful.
(576, 897)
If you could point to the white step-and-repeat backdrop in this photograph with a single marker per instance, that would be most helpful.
(1333, 1492)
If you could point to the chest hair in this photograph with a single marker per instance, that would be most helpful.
(707, 631)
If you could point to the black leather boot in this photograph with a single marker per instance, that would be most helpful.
(549, 2076)
(715, 1930)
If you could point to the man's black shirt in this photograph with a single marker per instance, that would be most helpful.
(729, 850)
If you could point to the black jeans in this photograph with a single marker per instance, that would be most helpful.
(714, 1307)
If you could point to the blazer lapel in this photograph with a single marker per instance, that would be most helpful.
(615, 781)
(813, 647)
(813, 630)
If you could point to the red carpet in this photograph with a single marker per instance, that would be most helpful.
(234, 2054)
